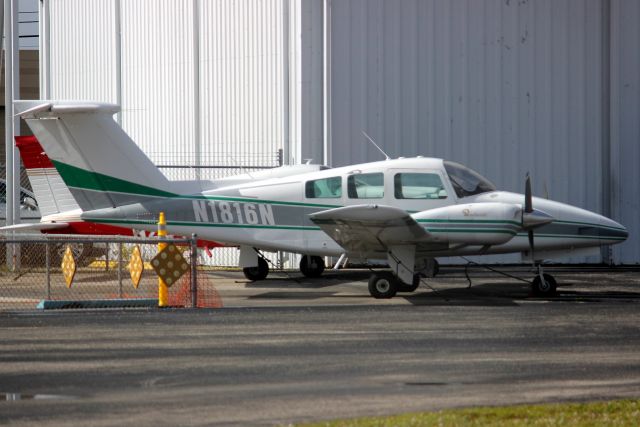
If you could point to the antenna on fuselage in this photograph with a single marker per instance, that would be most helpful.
(376, 145)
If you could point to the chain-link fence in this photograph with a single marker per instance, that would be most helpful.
(31, 271)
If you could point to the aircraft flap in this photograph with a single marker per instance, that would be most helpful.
(369, 228)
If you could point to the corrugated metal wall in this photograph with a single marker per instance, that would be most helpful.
(241, 81)
(625, 124)
(502, 86)
(83, 50)
(158, 90)
(200, 82)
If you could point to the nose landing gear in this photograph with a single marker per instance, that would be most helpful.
(543, 285)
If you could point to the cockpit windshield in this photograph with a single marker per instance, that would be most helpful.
(465, 181)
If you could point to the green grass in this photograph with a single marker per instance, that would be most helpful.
(595, 414)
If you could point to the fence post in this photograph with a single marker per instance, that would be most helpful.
(163, 291)
(119, 267)
(194, 261)
(106, 258)
(47, 261)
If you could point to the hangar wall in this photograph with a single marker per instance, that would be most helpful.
(504, 86)
(625, 125)
(200, 82)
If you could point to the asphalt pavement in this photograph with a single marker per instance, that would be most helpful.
(288, 350)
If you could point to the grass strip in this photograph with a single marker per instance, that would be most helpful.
(592, 414)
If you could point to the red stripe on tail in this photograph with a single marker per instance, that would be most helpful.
(33, 156)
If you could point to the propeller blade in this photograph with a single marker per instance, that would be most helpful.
(530, 233)
(528, 199)
(528, 208)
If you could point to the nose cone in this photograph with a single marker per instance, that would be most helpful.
(611, 231)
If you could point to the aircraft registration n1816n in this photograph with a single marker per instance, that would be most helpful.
(408, 211)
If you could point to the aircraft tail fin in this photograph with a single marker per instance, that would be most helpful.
(52, 194)
(97, 160)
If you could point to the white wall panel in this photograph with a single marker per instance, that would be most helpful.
(241, 81)
(83, 61)
(158, 78)
(625, 124)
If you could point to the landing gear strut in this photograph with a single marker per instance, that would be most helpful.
(258, 272)
(431, 268)
(311, 266)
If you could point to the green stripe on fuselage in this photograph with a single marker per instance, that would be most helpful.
(85, 180)
(92, 181)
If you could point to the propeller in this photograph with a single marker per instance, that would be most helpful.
(528, 209)
(532, 218)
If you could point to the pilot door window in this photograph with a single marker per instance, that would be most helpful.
(366, 186)
(418, 186)
(327, 188)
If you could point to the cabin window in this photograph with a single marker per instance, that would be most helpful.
(327, 188)
(366, 186)
(465, 181)
(418, 186)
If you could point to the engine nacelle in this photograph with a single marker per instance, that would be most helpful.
(472, 223)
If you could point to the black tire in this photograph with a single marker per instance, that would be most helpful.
(546, 288)
(403, 287)
(383, 285)
(259, 272)
(312, 266)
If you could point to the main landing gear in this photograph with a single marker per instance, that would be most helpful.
(258, 272)
(312, 266)
(385, 284)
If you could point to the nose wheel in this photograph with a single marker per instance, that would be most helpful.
(544, 285)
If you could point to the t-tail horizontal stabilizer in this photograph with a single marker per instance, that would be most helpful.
(98, 161)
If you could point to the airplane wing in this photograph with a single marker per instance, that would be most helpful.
(36, 226)
(370, 228)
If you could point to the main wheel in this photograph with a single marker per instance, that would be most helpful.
(403, 287)
(383, 285)
(311, 266)
(546, 288)
(259, 272)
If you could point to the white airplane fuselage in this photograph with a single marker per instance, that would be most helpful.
(273, 214)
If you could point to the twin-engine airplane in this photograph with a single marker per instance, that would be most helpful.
(408, 211)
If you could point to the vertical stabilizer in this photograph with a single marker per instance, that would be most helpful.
(97, 160)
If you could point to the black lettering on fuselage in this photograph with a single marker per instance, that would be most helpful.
(223, 212)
